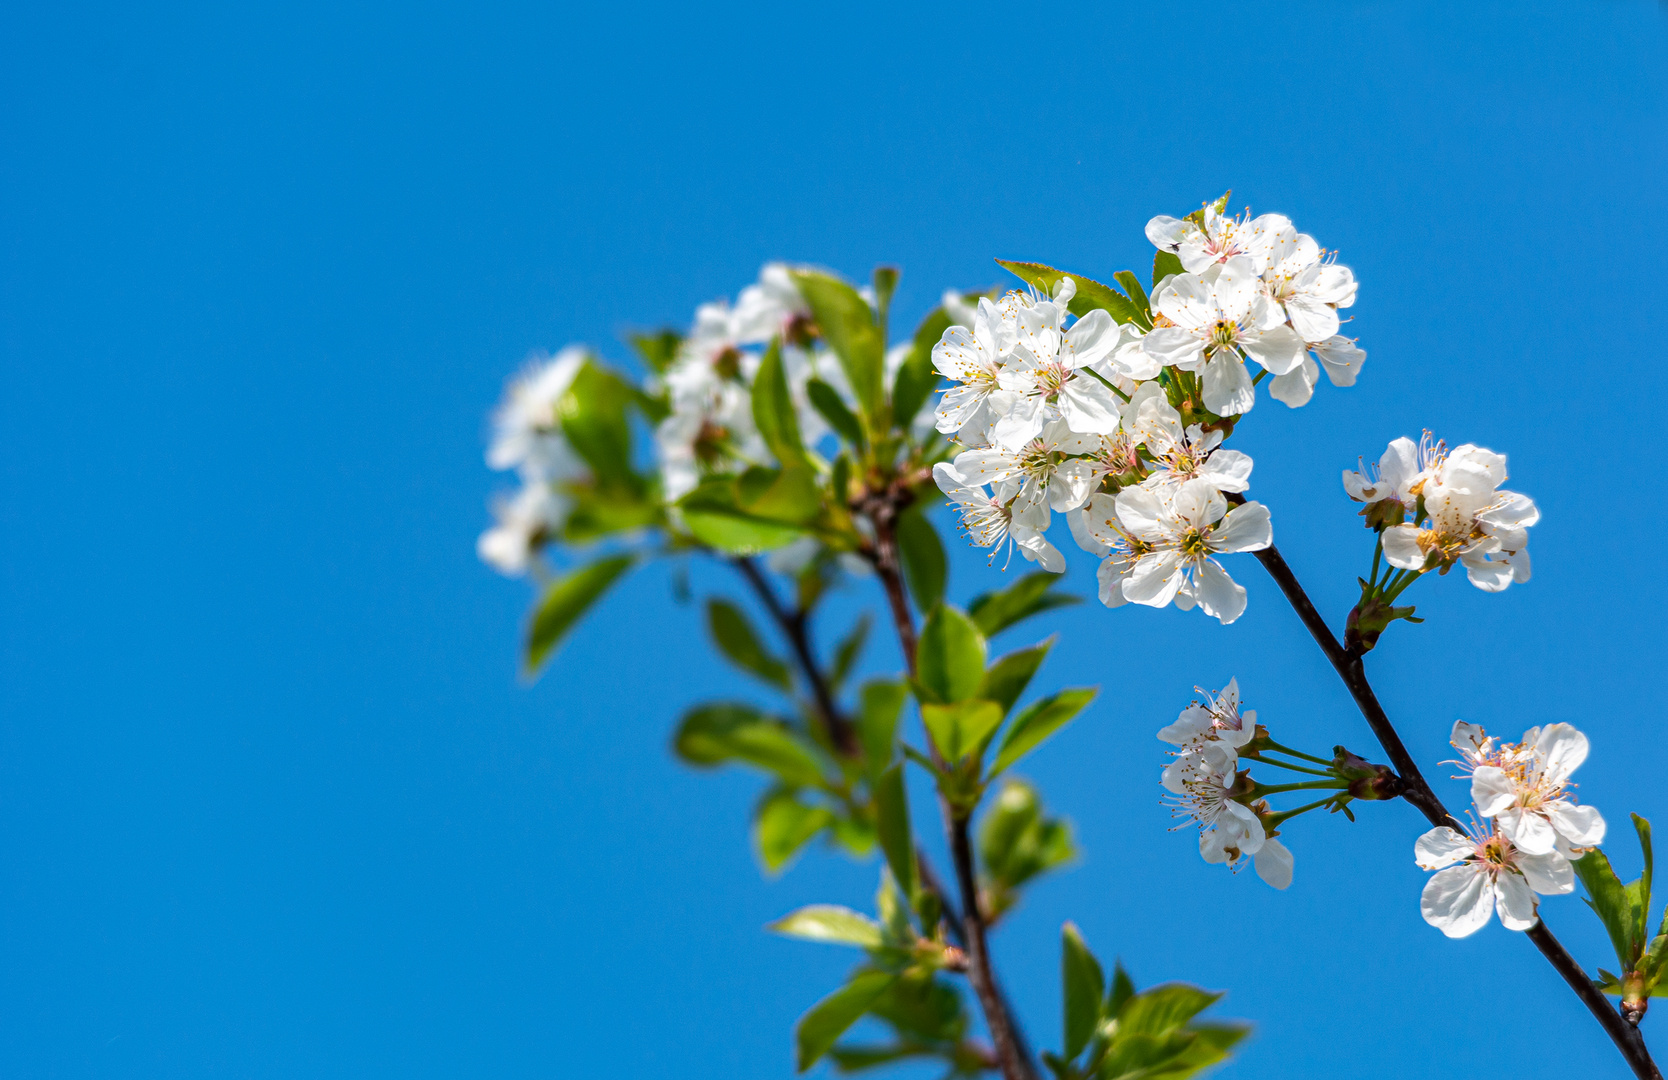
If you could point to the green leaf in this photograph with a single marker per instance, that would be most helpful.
(657, 349)
(773, 410)
(960, 728)
(892, 822)
(829, 1018)
(1090, 294)
(1123, 989)
(846, 652)
(1164, 1009)
(1083, 984)
(1642, 887)
(1609, 900)
(1039, 721)
(1210, 1045)
(893, 909)
(740, 644)
(924, 564)
(713, 516)
(782, 825)
(1016, 842)
(885, 282)
(593, 414)
(1009, 676)
(848, 325)
(832, 407)
(917, 378)
(565, 602)
(716, 733)
(790, 494)
(996, 611)
(950, 656)
(854, 1059)
(605, 511)
(831, 923)
(926, 1008)
(881, 705)
(1137, 1056)
(1137, 296)
(1166, 264)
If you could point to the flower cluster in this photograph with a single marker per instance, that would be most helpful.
(1534, 829)
(1208, 789)
(1435, 507)
(527, 437)
(1119, 426)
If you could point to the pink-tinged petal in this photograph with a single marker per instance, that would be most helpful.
(1154, 579)
(1531, 832)
(1175, 346)
(1401, 547)
(1274, 864)
(1549, 875)
(1562, 749)
(1279, 350)
(1515, 902)
(1246, 528)
(1110, 579)
(1297, 386)
(1442, 847)
(1217, 593)
(1228, 390)
(1312, 318)
(1457, 901)
(1492, 790)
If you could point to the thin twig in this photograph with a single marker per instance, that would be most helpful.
(1350, 669)
(795, 627)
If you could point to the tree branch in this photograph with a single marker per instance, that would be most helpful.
(795, 627)
(1350, 669)
(882, 509)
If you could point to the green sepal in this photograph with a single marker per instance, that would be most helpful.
(565, 602)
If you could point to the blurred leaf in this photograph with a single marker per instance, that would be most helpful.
(1609, 900)
(917, 378)
(885, 282)
(846, 653)
(782, 825)
(960, 728)
(1039, 721)
(1123, 989)
(713, 516)
(1166, 264)
(855, 834)
(852, 1059)
(1142, 1057)
(950, 656)
(893, 910)
(996, 611)
(1082, 983)
(1016, 842)
(829, 1018)
(830, 923)
(790, 494)
(657, 349)
(877, 721)
(832, 407)
(567, 599)
(740, 644)
(892, 823)
(1210, 1045)
(773, 409)
(1640, 890)
(924, 564)
(719, 732)
(1164, 1009)
(848, 325)
(1009, 676)
(1090, 294)
(593, 414)
(926, 1008)
(599, 512)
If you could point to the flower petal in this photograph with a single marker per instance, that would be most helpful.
(1218, 593)
(1492, 790)
(1274, 864)
(1582, 826)
(1515, 901)
(1442, 847)
(1549, 875)
(1227, 386)
(1458, 900)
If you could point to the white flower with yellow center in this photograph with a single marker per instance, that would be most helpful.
(1220, 319)
(1216, 719)
(1000, 516)
(1182, 454)
(1470, 522)
(1218, 239)
(1202, 781)
(1306, 286)
(1398, 477)
(972, 358)
(1182, 532)
(1044, 467)
(1525, 789)
(1480, 872)
(1046, 376)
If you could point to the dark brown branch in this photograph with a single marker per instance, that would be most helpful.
(795, 627)
(1350, 669)
(882, 509)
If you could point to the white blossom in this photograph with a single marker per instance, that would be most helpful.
(1202, 781)
(1400, 474)
(527, 433)
(973, 358)
(1216, 719)
(1479, 872)
(1179, 534)
(1190, 453)
(1042, 466)
(1217, 320)
(1043, 372)
(1341, 358)
(1218, 239)
(1307, 287)
(993, 518)
(523, 523)
(1525, 787)
(1471, 521)
(764, 310)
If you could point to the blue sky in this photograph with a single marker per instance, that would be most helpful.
(272, 800)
